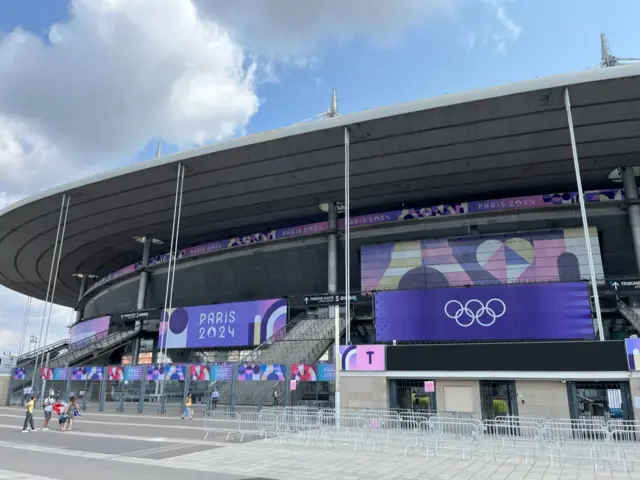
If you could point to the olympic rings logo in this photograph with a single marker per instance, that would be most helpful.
(474, 310)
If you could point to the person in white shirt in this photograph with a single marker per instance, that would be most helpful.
(214, 398)
(49, 402)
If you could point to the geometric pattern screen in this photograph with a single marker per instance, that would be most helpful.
(558, 255)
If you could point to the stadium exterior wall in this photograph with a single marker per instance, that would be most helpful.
(299, 266)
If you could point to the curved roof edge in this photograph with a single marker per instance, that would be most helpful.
(566, 79)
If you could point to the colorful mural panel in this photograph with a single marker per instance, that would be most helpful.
(199, 373)
(115, 374)
(303, 372)
(261, 372)
(87, 373)
(542, 256)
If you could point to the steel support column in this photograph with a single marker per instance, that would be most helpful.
(171, 270)
(25, 326)
(51, 284)
(633, 209)
(583, 212)
(142, 294)
(347, 237)
(83, 287)
(332, 262)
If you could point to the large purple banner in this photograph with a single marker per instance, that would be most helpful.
(541, 311)
(223, 325)
(88, 328)
(531, 201)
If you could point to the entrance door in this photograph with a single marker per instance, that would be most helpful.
(409, 394)
(498, 398)
(600, 400)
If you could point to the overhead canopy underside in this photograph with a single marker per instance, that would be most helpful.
(510, 140)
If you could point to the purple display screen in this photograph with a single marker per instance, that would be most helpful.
(542, 311)
(88, 328)
(223, 325)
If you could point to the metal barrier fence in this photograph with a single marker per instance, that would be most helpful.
(599, 444)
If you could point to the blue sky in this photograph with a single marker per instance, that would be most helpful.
(429, 60)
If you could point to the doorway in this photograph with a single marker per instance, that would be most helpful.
(600, 400)
(410, 394)
(498, 398)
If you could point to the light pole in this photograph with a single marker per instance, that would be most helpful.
(33, 340)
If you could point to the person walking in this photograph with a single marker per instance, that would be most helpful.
(48, 409)
(214, 398)
(276, 398)
(71, 411)
(28, 418)
(187, 408)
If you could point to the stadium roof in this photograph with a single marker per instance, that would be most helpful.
(507, 139)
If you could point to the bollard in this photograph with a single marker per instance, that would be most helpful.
(103, 394)
(143, 388)
(120, 407)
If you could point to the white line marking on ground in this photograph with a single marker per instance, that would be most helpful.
(121, 424)
(123, 437)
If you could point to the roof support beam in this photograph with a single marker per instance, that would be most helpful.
(583, 212)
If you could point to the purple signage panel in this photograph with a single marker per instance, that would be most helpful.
(224, 325)
(541, 311)
(88, 328)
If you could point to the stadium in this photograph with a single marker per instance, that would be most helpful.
(442, 244)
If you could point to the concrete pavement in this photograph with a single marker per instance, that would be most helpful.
(107, 446)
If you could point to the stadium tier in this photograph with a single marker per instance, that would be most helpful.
(467, 242)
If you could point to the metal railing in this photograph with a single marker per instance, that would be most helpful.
(593, 442)
(303, 340)
(630, 314)
(28, 356)
(93, 345)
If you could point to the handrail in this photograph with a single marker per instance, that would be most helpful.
(630, 314)
(93, 345)
(46, 348)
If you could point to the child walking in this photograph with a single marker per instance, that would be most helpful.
(187, 408)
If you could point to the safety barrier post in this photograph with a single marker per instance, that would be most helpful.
(67, 392)
(209, 402)
(162, 410)
(143, 388)
(120, 408)
(10, 391)
(103, 393)
(234, 379)
(187, 385)
(287, 386)
(83, 406)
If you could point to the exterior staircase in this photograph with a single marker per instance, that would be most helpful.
(29, 358)
(91, 347)
(303, 340)
(630, 314)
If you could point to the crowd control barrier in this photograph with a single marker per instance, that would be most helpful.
(583, 441)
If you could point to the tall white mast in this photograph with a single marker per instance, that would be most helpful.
(608, 59)
(331, 112)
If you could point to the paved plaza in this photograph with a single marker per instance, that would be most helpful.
(107, 445)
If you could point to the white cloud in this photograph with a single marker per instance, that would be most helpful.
(510, 30)
(118, 73)
(290, 29)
